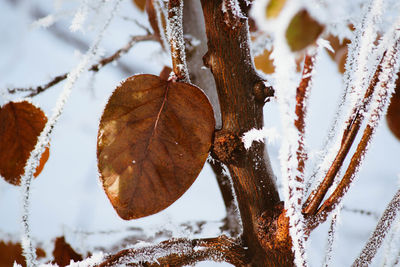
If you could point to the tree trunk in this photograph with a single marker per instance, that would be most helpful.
(241, 93)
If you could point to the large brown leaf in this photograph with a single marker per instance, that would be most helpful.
(153, 140)
(20, 126)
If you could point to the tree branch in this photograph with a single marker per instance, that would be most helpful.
(350, 133)
(95, 67)
(177, 42)
(231, 223)
(180, 252)
(375, 241)
(384, 89)
(229, 59)
(302, 93)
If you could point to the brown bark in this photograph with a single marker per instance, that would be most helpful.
(229, 59)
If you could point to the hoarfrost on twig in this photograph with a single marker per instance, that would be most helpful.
(44, 138)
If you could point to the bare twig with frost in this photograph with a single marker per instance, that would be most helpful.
(380, 100)
(350, 133)
(286, 85)
(332, 234)
(44, 139)
(302, 94)
(180, 252)
(95, 67)
(375, 241)
(175, 36)
(232, 222)
(356, 78)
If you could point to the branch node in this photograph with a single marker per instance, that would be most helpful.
(263, 91)
(227, 147)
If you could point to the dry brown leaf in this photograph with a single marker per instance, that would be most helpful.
(20, 126)
(274, 7)
(153, 140)
(393, 113)
(63, 253)
(140, 4)
(264, 62)
(302, 31)
(12, 252)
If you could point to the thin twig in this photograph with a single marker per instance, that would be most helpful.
(180, 252)
(386, 82)
(350, 133)
(375, 241)
(177, 42)
(302, 94)
(95, 67)
(231, 221)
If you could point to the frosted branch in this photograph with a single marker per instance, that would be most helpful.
(375, 241)
(179, 252)
(44, 139)
(95, 67)
(175, 36)
(380, 100)
(332, 234)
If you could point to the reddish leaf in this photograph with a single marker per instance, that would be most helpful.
(393, 114)
(140, 4)
(12, 252)
(274, 8)
(153, 140)
(63, 253)
(264, 62)
(20, 126)
(302, 31)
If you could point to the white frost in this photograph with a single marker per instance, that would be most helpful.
(270, 134)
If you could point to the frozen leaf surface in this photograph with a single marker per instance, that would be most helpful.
(20, 125)
(153, 140)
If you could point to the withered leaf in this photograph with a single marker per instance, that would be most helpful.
(20, 125)
(63, 253)
(393, 113)
(11, 252)
(153, 140)
(140, 4)
(302, 31)
(264, 62)
(274, 7)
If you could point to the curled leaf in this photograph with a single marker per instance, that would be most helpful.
(302, 31)
(20, 125)
(153, 140)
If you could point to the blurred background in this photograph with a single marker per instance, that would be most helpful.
(67, 197)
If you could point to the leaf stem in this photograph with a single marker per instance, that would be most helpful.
(177, 42)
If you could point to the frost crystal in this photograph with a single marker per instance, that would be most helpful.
(271, 134)
(80, 17)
